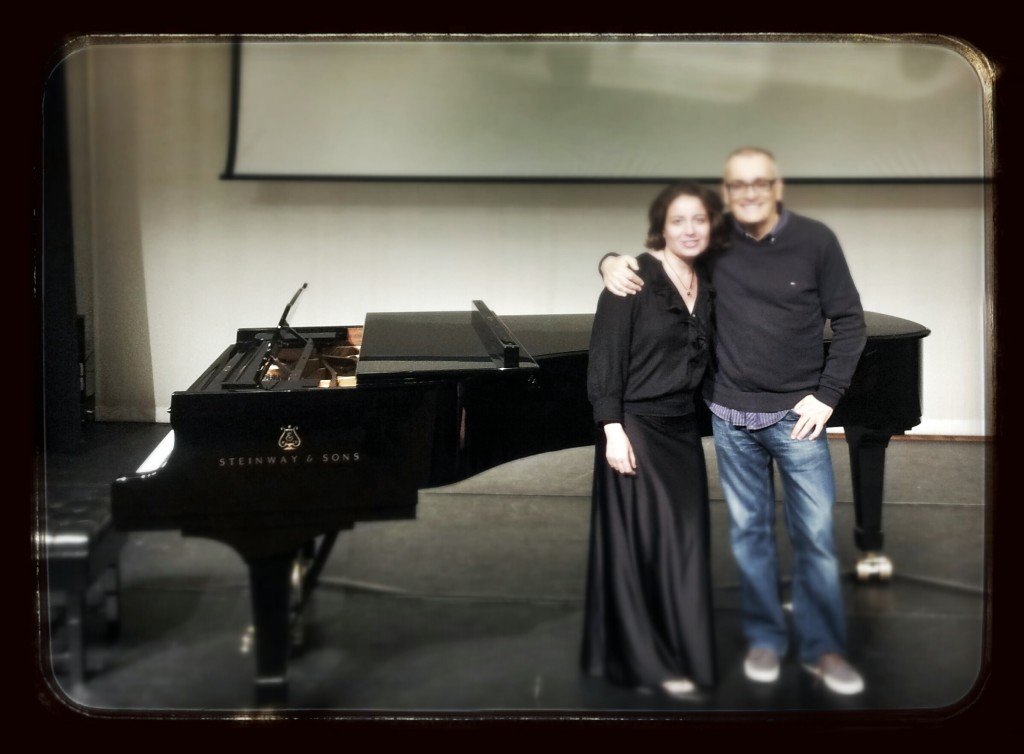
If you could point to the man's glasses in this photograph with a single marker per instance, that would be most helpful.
(760, 186)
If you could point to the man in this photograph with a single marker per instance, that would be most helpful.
(771, 394)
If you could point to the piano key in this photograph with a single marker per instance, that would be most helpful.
(158, 457)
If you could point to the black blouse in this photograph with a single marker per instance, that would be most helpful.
(648, 354)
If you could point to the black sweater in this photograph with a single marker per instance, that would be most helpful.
(773, 297)
(648, 354)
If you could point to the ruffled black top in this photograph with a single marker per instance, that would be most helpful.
(648, 353)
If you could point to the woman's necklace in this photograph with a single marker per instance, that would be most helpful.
(672, 272)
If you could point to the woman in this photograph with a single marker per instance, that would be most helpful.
(648, 621)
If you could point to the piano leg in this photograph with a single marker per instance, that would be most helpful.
(867, 466)
(271, 555)
(270, 585)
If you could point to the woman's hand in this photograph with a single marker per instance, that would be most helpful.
(618, 275)
(619, 452)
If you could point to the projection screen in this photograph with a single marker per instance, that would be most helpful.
(615, 110)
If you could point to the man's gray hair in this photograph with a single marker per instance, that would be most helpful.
(750, 151)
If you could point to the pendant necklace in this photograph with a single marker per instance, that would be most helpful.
(668, 266)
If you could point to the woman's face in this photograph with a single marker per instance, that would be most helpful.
(687, 227)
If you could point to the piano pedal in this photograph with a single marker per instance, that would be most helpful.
(247, 641)
(298, 604)
(874, 566)
(300, 566)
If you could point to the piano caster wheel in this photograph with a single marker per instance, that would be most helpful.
(874, 566)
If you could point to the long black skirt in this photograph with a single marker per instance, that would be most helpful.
(648, 614)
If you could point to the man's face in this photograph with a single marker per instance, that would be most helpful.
(752, 189)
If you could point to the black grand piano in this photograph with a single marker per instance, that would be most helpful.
(295, 434)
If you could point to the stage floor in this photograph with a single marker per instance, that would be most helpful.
(476, 607)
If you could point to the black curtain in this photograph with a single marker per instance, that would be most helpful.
(61, 392)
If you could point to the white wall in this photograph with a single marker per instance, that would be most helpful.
(172, 260)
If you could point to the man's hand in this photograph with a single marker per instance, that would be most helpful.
(813, 416)
(619, 452)
(617, 273)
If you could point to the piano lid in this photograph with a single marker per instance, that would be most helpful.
(887, 327)
(425, 343)
(552, 334)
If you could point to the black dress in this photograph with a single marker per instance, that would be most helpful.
(648, 614)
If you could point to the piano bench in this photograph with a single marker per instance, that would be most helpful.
(82, 562)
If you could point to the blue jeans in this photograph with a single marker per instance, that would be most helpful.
(745, 470)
